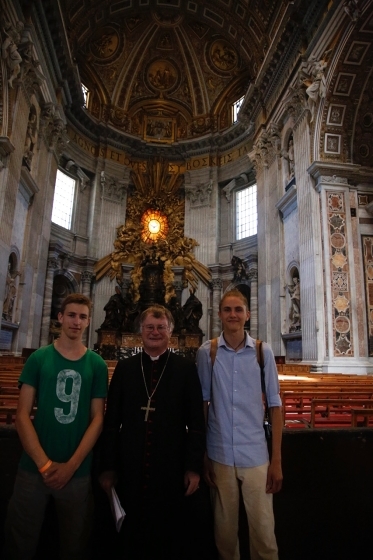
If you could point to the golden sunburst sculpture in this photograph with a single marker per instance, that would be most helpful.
(154, 231)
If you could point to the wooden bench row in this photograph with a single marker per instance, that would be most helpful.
(337, 411)
(303, 394)
(310, 407)
(8, 413)
(9, 359)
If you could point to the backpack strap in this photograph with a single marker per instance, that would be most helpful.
(260, 358)
(213, 350)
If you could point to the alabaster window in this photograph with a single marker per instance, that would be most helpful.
(235, 108)
(246, 212)
(85, 91)
(155, 226)
(63, 202)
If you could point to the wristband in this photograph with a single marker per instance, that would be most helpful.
(46, 466)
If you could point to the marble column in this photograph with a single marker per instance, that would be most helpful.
(86, 280)
(47, 304)
(217, 286)
(253, 275)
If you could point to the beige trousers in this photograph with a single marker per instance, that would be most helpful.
(259, 510)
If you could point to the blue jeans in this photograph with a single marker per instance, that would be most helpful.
(74, 507)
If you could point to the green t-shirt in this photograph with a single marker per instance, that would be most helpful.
(64, 390)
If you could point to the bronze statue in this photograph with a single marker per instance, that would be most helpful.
(115, 310)
(192, 313)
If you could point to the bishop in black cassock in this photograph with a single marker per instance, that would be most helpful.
(153, 443)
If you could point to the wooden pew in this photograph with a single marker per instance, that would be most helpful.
(336, 411)
(9, 359)
(9, 379)
(7, 414)
(324, 382)
(298, 392)
(299, 369)
(315, 375)
(10, 370)
(296, 404)
(357, 413)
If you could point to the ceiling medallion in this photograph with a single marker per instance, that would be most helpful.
(105, 44)
(155, 226)
(223, 56)
(162, 75)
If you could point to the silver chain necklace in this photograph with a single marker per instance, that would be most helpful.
(148, 408)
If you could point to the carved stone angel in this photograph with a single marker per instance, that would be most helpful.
(31, 137)
(352, 9)
(288, 155)
(9, 49)
(315, 82)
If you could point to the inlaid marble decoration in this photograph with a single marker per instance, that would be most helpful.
(367, 244)
(340, 275)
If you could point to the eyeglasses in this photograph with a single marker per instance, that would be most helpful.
(159, 328)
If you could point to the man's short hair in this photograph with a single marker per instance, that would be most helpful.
(158, 311)
(76, 298)
(234, 293)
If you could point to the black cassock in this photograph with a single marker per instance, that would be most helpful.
(151, 456)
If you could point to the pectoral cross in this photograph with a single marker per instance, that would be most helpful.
(148, 409)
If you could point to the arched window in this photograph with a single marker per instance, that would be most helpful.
(63, 202)
(235, 108)
(85, 91)
(246, 212)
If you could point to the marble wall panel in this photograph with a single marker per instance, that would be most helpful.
(340, 274)
(367, 244)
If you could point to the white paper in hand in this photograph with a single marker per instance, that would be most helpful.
(118, 512)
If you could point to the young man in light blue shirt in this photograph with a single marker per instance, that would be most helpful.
(237, 452)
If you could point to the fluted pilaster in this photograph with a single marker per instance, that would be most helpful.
(217, 286)
(309, 243)
(86, 280)
(254, 303)
(46, 317)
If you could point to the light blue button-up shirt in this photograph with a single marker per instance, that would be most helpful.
(235, 434)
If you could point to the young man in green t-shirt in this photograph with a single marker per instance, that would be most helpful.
(69, 383)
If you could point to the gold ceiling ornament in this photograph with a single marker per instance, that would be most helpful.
(154, 232)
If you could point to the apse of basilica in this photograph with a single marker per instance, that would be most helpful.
(169, 150)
